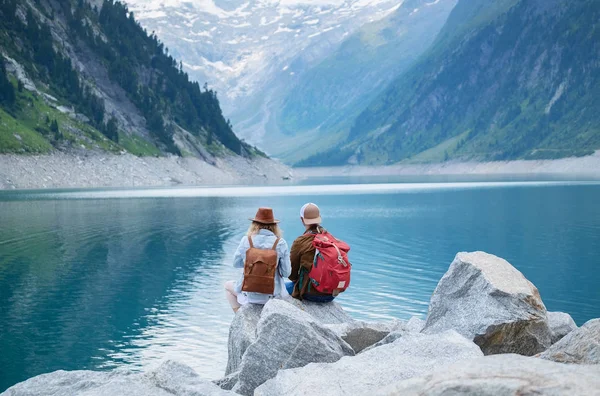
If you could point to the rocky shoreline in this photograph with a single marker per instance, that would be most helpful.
(94, 170)
(487, 332)
(588, 166)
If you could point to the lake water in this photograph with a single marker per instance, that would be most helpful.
(99, 279)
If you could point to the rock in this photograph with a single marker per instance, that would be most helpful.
(581, 346)
(415, 324)
(489, 301)
(169, 379)
(242, 333)
(324, 313)
(560, 324)
(286, 338)
(503, 375)
(412, 355)
(393, 336)
(360, 335)
(15, 68)
(228, 382)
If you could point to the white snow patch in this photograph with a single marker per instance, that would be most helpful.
(559, 92)
(201, 34)
(283, 29)
(241, 25)
(187, 40)
(150, 14)
(311, 22)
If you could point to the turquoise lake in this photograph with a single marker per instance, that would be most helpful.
(98, 279)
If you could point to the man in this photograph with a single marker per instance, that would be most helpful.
(303, 256)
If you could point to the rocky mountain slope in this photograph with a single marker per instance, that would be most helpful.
(329, 96)
(505, 79)
(79, 76)
(252, 51)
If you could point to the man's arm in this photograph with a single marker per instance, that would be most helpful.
(295, 257)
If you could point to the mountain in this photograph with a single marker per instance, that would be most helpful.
(331, 94)
(78, 75)
(253, 51)
(505, 79)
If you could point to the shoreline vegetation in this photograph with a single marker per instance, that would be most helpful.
(487, 331)
(571, 166)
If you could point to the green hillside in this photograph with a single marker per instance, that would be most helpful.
(73, 76)
(504, 80)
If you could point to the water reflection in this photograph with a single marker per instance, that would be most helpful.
(82, 282)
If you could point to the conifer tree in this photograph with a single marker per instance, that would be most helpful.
(7, 90)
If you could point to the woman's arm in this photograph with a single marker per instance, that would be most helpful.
(284, 259)
(240, 254)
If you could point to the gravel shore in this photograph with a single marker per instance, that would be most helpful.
(61, 170)
(580, 166)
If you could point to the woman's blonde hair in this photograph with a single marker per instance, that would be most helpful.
(255, 227)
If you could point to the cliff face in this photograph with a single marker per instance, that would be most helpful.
(505, 79)
(78, 75)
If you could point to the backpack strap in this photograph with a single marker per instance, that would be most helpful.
(250, 240)
(275, 244)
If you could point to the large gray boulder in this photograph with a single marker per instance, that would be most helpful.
(242, 333)
(581, 346)
(415, 324)
(324, 313)
(503, 375)
(360, 334)
(367, 373)
(169, 379)
(489, 301)
(287, 337)
(560, 324)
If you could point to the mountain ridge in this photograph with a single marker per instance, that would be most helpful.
(518, 84)
(86, 77)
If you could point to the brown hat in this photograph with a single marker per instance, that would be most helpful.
(310, 214)
(264, 216)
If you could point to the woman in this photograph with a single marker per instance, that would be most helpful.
(263, 233)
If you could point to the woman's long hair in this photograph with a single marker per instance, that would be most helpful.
(255, 227)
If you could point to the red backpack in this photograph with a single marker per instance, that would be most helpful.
(330, 273)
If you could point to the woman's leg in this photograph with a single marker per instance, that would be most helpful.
(231, 296)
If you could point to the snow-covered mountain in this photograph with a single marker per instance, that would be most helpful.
(250, 50)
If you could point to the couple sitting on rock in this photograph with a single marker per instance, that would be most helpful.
(317, 265)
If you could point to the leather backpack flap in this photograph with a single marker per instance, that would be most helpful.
(260, 269)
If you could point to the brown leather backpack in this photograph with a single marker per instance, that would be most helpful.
(260, 268)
